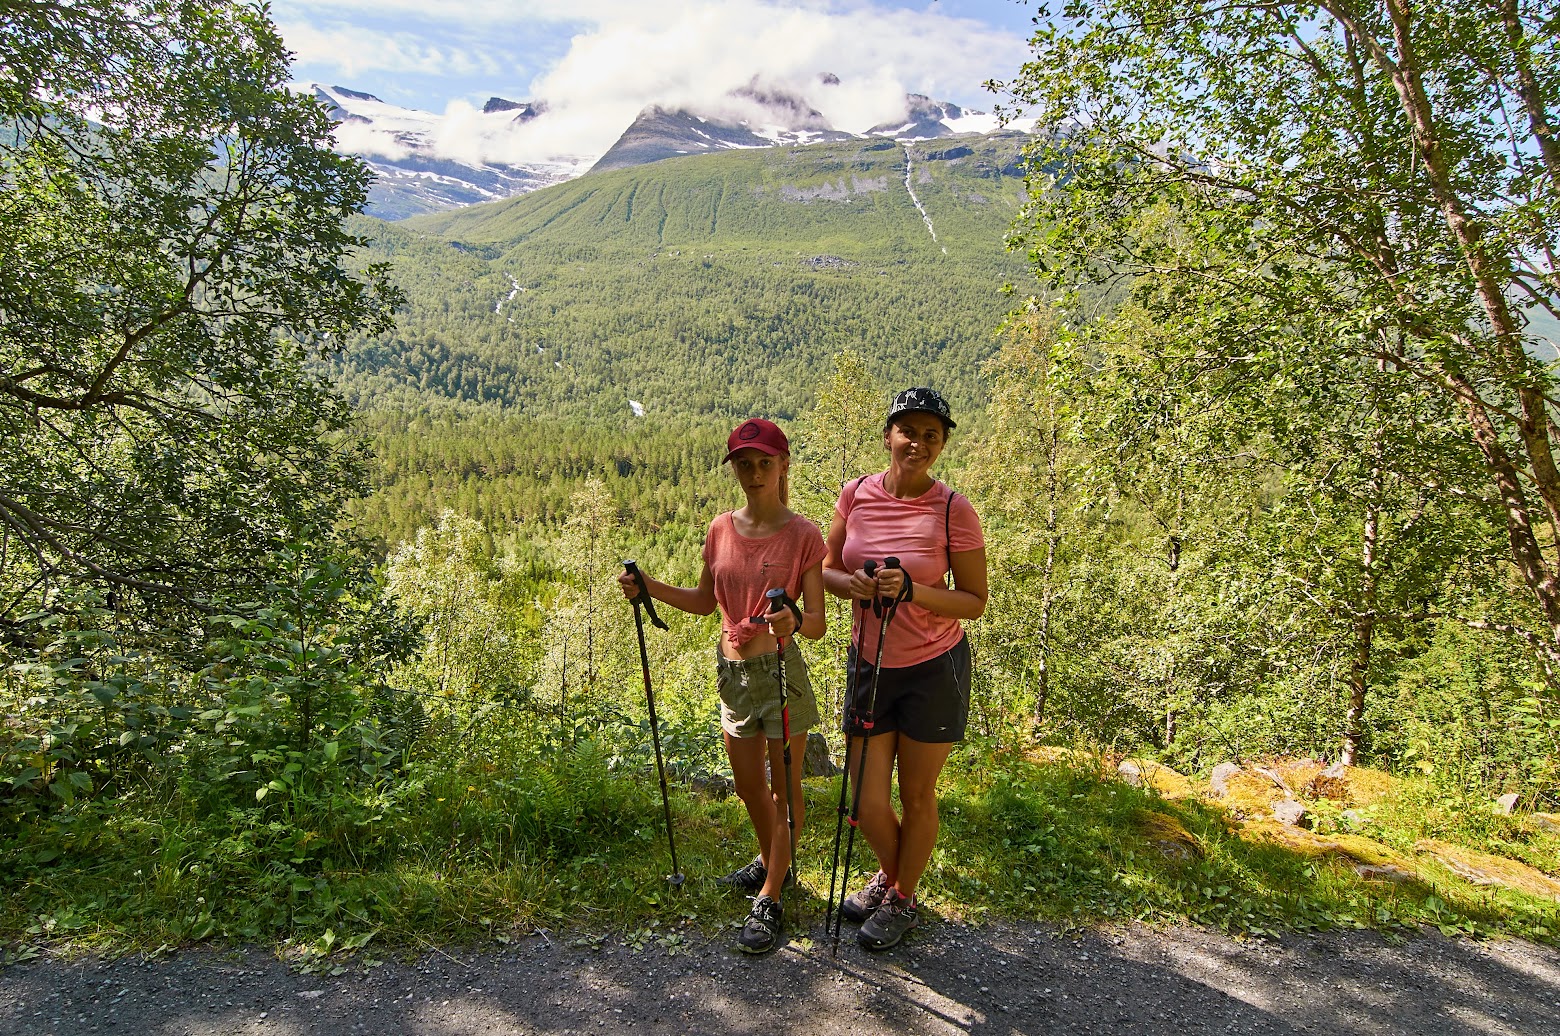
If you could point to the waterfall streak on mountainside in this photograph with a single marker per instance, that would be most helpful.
(498, 307)
(918, 206)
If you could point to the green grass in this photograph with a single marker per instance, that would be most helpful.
(477, 852)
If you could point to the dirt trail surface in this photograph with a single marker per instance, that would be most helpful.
(946, 978)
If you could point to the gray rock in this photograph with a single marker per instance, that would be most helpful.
(1507, 804)
(1130, 772)
(1549, 822)
(1383, 872)
(1219, 780)
(819, 763)
(1290, 812)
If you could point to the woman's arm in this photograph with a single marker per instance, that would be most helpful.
(852, 586)
(967, 599)
(696, 600)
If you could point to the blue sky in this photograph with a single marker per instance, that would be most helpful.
(602, 60)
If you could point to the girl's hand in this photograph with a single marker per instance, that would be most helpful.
(630, 585)
(782, 623)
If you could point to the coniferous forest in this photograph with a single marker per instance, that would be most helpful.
(310, 523)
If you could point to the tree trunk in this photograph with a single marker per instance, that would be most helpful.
(1365, 616)
(1532, 423)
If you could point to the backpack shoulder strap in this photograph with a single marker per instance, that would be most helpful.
(849, 493)
(948, 533)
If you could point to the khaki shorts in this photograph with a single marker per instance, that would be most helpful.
(750, 696)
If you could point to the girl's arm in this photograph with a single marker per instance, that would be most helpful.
(696, 600)
(813, 619)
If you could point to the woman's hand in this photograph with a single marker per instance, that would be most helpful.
(890, 581)
(886, 582)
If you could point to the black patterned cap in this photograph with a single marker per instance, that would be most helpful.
(925, 400)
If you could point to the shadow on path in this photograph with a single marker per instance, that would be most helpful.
(1002, 979)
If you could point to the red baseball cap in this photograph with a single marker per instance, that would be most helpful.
(757, 434)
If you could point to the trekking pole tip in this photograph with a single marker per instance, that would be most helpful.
(676, 880)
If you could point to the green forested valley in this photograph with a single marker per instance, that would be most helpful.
(310, 524)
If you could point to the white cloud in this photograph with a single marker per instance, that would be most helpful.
(354, 51)
(624, 55)
(696, 54)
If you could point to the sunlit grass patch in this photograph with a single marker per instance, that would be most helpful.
(574, 841)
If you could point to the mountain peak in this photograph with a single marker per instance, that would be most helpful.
(527, 109)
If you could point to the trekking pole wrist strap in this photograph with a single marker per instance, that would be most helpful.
(643, 597)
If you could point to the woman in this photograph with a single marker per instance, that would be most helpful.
(921, 701)
(762, 545)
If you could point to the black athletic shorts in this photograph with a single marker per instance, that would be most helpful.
(928, 701)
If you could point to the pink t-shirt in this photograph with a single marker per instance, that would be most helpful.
(744, 568)
(919, 532)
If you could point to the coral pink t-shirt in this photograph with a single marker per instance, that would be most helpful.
(919, 532)
(744, 568)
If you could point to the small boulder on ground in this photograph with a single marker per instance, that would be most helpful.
(1291, 812)
(1167, 836)
(819, 763)
(1507, 804)
(1331, 783)
(1384, 872)
(1219, 780)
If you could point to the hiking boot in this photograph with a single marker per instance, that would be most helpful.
(858, 906)
(761, 931)
(893, 919)
(749, 877)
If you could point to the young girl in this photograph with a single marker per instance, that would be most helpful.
(759, 546)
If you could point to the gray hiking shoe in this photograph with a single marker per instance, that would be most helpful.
(859, 906)
(749, 877)
(893, 919)
(761, 931)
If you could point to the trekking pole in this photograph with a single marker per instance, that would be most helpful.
(642, 599)
(839, 810)
(887, 615)
(778, 599)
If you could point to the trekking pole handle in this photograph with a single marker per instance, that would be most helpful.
(643, 597)
(870, 568)
(778, 598)
(905, 586)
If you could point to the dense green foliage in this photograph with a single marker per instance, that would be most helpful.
(180, 615)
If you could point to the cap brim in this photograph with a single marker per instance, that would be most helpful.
(760, 447)
(920, 410)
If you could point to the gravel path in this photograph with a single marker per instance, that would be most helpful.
(946, 978)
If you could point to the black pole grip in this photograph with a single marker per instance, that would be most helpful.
(778, 598)
(870, 568)
(643, 597)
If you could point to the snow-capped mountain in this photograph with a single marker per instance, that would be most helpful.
(765, 117)
(428, 162)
